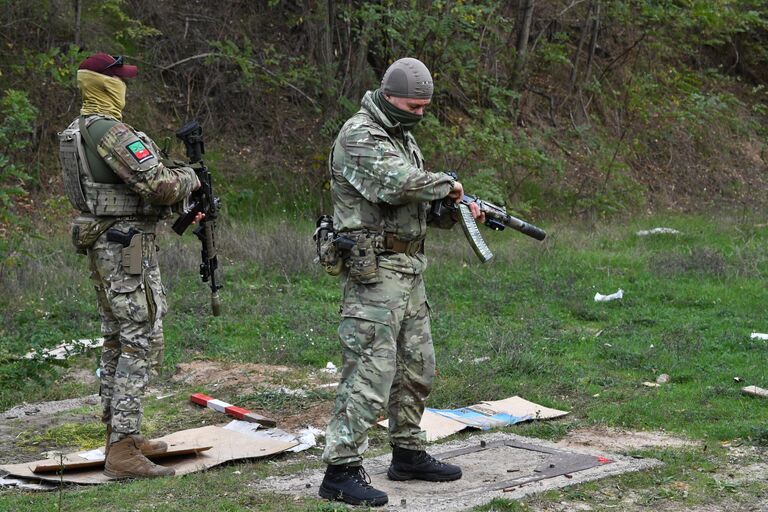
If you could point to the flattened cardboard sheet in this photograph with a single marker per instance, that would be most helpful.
(439, 423)
(517, 406)
(437, 426)
(227, 445)
(76, 461)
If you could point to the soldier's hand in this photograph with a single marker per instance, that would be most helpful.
(457, 192)
(477, 213)
(200, 216)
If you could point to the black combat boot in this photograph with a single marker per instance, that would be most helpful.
(351, 484)
(419, 465)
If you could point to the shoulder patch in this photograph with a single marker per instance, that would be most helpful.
(139, 151)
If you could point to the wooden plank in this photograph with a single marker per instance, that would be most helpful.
(74, 462)
(258, 418)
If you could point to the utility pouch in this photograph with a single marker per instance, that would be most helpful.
(133, 255)
(362, 263)
(327, 253)
(86, 230)
(133, 250)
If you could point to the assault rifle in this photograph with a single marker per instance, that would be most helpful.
(496, 218)
(202, 200)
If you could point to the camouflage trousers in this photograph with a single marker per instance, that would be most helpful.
(388, 364)
(131, 306)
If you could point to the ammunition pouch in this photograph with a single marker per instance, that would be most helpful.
(363, 261)
(357, 250)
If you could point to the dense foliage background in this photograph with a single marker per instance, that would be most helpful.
(550, 106)
(562, 97)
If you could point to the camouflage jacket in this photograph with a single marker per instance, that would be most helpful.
(136, 160)
(378, 183)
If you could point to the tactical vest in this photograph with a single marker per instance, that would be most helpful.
(88, 194)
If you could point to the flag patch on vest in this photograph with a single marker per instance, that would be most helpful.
(139, 151)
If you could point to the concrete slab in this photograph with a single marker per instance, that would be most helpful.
(517, 464)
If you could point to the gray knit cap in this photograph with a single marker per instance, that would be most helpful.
(407, 78)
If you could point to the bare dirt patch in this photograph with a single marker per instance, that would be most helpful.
(81, 375)
(295, 398)
(39, 417)
(317, 415)
(248, 377)
(617, 440)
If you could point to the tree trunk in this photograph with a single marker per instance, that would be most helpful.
(320, 14)
(579, 48)
(78, 17)
(525, 10)
(593, 41)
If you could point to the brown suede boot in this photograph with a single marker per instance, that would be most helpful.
(106, 446)
(152, 447)
(125, 460)
(147, 447)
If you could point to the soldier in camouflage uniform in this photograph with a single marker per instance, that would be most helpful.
(381, 198)
(117, 179)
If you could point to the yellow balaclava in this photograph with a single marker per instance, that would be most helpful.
(101, 94)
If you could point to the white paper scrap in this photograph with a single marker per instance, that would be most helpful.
(759, 336)
(253, 430)
(244, 427)
(599, 297)
(291, 392)
(329, 368)
(658, 231)
(21, 483)
(307, 438)
(64, 350)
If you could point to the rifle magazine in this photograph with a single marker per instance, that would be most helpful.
(473, 235)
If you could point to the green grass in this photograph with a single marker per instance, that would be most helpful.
(691, 302)
(86, 436)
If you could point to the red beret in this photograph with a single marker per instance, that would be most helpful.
(108, 65)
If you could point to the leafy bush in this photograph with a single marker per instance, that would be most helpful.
(17, 117)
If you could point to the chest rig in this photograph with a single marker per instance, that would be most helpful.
(84, 190)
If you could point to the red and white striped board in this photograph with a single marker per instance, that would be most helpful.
(231, 410)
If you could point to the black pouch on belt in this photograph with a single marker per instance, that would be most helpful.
(133, 253)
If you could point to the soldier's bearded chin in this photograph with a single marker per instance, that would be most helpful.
(101, 94)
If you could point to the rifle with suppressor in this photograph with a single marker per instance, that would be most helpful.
(202, 200)
(496, 218)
